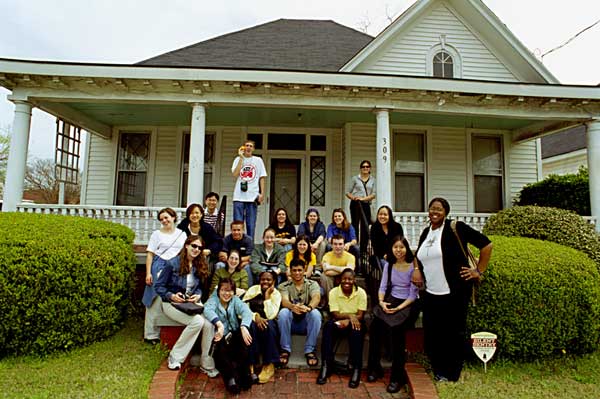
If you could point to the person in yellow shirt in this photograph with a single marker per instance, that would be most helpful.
(347, 305)
(334, 262)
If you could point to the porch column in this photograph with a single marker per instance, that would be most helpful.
(196, 168)
(593, 154)
(383, 160)
(17, 157)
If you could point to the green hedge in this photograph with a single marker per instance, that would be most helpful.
(64, 281)
(540, 298)
(570, 191)
(549, 224)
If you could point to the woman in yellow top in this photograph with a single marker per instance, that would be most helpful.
(301, 250)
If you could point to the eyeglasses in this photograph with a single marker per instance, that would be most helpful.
(196, 246)
(365, 166)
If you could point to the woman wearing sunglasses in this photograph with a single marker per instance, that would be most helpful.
(181, 281)
(361, 192)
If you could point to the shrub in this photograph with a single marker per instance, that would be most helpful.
(64, 281)
(549, 224)
(540, 298)
(571, 191)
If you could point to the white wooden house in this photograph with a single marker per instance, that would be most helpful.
(446, 101)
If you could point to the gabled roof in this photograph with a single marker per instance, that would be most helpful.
(483, 20)
(284, 44)
(564, 142)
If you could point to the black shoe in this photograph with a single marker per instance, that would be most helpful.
(373, 375)
(323, 374)
(232, 386)
(355, 379)
(154, 341)
(253, 378)
(393, 387)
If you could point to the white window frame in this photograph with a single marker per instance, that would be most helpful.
(504, 142)
(149, 195)
(456, 59)
(426, 155)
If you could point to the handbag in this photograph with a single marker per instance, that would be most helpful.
(471, 259)
(190, 308)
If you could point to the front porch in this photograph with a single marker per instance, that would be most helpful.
(142, 220)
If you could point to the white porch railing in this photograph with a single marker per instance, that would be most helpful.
(143, 219)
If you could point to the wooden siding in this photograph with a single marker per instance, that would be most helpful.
(407, 53)
(523, 167)
(167, 172)
(447, 167)
(564, 164)
(100, 171)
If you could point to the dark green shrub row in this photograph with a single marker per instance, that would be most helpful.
(571, 191)
(540, 298)
(64, 281)
(549, 224)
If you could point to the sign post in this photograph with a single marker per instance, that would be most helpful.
(484, 346)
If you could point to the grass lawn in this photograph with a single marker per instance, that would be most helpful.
(563, 378)
(120, 367)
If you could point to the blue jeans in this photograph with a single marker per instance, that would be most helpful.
(309, 324)
(246, 212)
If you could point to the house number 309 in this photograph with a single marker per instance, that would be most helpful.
(384, 149)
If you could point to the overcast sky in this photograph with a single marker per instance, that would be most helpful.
(121, 31)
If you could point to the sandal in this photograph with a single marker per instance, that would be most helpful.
(284, 358)
(311, 359)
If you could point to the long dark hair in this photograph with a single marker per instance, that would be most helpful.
(408, 258)
(198, 262)
(275, 223)
(296, 253)
(391, 221)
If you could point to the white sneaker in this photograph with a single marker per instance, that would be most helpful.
(212, 373)
(173, 365)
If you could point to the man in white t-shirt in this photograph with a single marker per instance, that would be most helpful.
(249, 190)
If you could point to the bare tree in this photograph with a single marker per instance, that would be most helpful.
(41, 182)
(364, 23)
(4, 147)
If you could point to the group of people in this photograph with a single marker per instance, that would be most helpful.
(246, 328)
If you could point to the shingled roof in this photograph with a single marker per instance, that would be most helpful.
(564, 142)
(284, 44)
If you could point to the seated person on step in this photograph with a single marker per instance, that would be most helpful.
(334, 263)
(298, 315)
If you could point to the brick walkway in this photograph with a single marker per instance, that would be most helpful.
(300, 383)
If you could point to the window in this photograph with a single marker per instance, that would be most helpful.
(317, 181)
(295, 142)
(409, 168)
(132, 168)
(209, 160)
(488, 173)
(443, 65)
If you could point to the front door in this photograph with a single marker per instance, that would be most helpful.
(285, 187)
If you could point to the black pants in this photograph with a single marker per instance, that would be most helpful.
(379, 332)
(332, 333)
(265, 343)
(358, 222)
(444, 327)
(231, 359)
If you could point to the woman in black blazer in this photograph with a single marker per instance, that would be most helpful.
(443, 270)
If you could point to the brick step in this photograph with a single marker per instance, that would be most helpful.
(414, 344)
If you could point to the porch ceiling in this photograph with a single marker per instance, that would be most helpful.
(124, 114)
